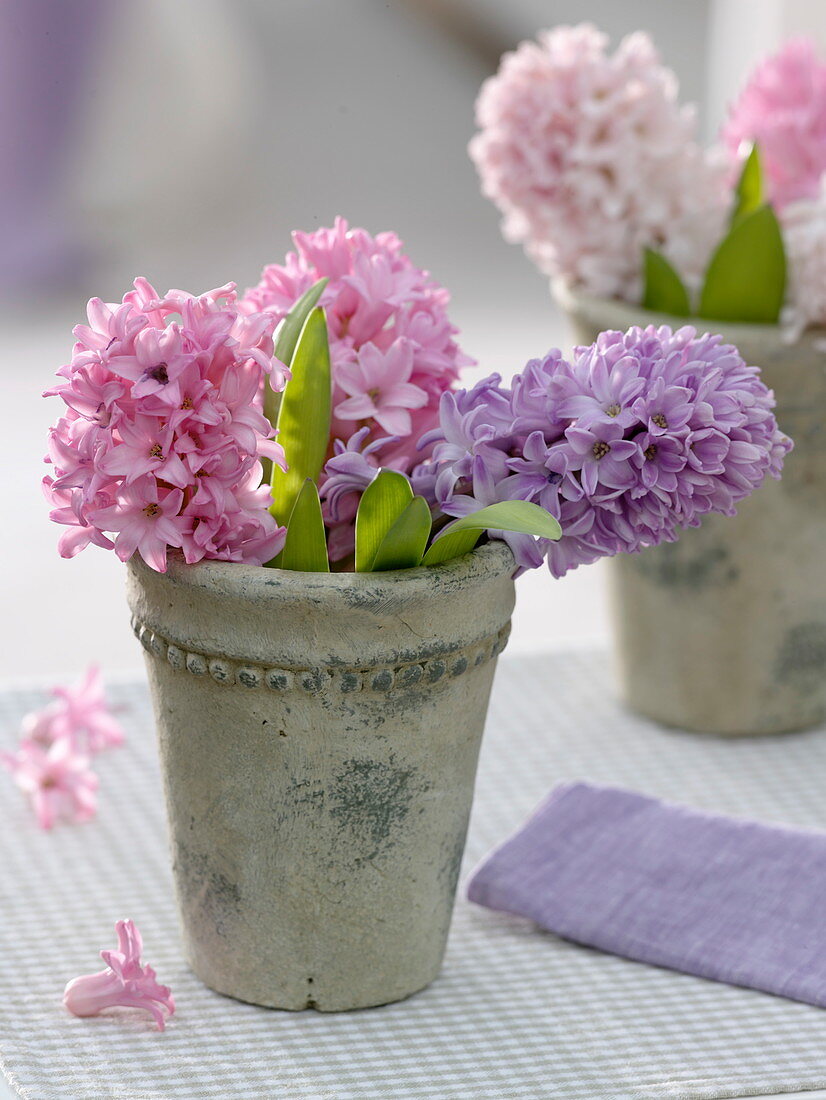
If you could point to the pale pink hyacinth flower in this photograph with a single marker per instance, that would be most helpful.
(57, 779)
(125, 983)
(589, 156)
(804, 235)
(783, 108)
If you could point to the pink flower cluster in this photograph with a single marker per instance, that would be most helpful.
(125, 983)
(160, 444)
(589, 157)
(391, 343)
(52, 763)
(783, 109)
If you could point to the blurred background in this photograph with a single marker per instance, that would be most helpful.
(184, 139)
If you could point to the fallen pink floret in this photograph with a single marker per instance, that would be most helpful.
(125, 983)
(82, 714)
(78, 713)
(58, 780)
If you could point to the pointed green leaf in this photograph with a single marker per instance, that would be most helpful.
(749, 194)
(746, 277)
(520, 516)
(403, 545)
(452, 545)
(664, 291)
(305, 548)
(304, 416)
(381, 504)
(286, 338)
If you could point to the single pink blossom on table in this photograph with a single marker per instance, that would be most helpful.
(783, 109)
(125, 982)
(58, 780)
(82, 714)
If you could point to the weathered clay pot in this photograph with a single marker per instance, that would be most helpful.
(724, 631)
(319, 736)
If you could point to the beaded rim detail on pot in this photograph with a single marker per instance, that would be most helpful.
(225, 670)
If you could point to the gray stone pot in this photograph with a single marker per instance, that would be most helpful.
(319, 736)
(724, 631)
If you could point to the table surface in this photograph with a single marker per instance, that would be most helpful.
(516, 1012)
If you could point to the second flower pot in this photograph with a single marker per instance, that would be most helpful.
(724, 631)
(319, 736)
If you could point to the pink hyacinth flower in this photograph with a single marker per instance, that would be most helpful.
(58, 780)
(125, 983)
(379, 387)
(782, 109)
(78, 713)
(82, 710)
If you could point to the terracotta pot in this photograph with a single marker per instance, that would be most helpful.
(319, 736)
(724, 631)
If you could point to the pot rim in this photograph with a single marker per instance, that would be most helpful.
(572, 299)
(489, 561)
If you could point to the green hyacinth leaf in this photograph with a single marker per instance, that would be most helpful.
(664, 290)
(452, 545)
(304, 416)
(305, 548)
(381, 504)
(403, 545)
(749, 194)
(519, 516)
(286, 338)
(746, 278)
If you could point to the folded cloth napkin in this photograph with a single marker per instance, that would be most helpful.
(736, 901)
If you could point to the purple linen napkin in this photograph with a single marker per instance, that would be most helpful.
(735, 901)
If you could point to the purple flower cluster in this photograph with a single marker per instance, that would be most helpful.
(639, 435)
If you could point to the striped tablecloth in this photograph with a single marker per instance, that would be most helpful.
(516, 1013)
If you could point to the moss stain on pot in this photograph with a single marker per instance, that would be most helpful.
(802, 656)
(679, 567)
(371, 800)
(216, 896)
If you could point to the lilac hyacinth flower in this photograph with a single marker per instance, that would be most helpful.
(348, 473)
(600, 454)
(639, 435)
(472, 422)
(534, 479)
(595, 390)
(485, 491)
